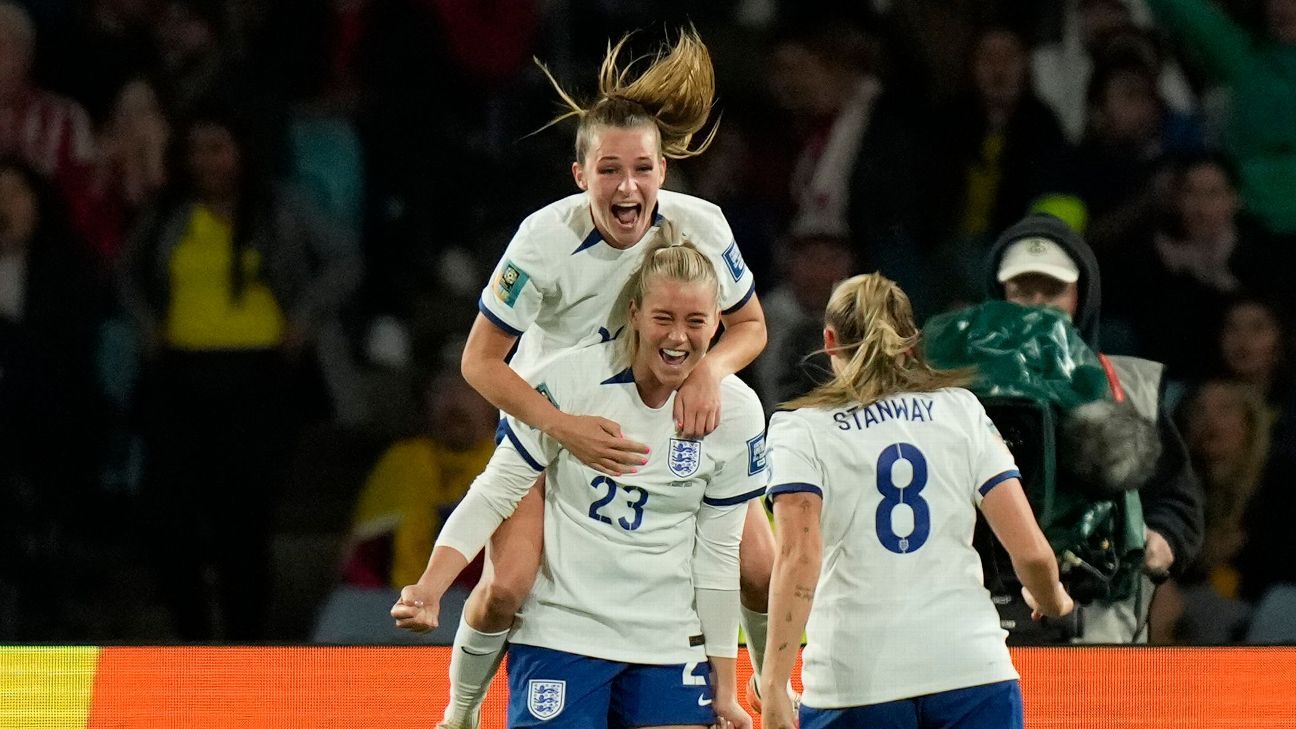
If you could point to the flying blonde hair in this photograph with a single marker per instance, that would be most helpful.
(663, 261)
(877, 336)
(674, 94)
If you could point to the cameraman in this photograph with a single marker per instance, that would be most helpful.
(1041, 261)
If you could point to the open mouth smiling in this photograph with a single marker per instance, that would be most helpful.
(673, 357)
(627, 214)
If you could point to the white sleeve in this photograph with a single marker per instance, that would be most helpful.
(494, 495)
(794, 466)
(737, 284)
(513, 296)
(740, 444)
(715, 550)
(718, 612)
(739, 478)
(992, 462)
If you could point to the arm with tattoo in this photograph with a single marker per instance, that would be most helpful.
(792, 586)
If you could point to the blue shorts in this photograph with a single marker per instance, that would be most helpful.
(555, 689)
(992, 706)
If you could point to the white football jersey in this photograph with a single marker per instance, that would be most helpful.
(618, 573)
(558, 281)
(900, 609)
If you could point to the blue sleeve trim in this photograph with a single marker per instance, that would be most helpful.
(508, 433)
(590, 240)
(790, 488)
(995, 481)
(743, 301)
(481, 306)
(732, 500)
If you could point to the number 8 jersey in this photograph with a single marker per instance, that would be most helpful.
(900, 609)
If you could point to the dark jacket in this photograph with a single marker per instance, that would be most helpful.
(1172, 498)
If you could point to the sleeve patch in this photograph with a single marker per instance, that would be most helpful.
(509, 285)
(734, 260)
(756, 455)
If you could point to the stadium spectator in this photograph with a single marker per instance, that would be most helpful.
(611, 611)
(1227, 430)
(49, 307)
(196, 61)
(557, 282)
(1040, 261)
(908, 588)
(229, 284)
(1061, 69)
(107, 44)
(416, 484)
(406, 499)
(132, 166)
(1118, 169)
(1255, 347)
(855, 173)
(1257, 68)
(51, 133)
(1175, 284)
(790, 365)
(995, 149)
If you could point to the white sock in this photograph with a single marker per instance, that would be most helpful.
(754, 626)
(475, 658)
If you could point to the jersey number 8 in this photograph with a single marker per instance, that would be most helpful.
(908, 495)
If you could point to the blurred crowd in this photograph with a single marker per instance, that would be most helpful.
(241, 243)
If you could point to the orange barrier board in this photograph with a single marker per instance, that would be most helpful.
(361, 687)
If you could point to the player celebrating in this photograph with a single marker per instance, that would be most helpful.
(639, 579)
(876, 477)
(558, 282)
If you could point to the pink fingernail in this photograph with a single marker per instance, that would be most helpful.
(644, 462)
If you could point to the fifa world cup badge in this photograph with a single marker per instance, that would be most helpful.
(510, 283)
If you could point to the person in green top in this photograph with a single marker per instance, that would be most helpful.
(1260, 70)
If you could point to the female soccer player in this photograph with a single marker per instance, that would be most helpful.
(638, 587)
(558, 283)
(877, 476)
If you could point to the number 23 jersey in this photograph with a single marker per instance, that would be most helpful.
(619, 568)
(900, 609)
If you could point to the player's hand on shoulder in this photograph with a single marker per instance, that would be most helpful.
(598, 443)
(417, 609)
(697, 403)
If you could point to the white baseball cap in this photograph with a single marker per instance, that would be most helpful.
(1038, 255)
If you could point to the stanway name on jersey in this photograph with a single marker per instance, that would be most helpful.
(912, 409)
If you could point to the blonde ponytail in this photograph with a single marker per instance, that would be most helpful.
(877, 336)
(674, 94)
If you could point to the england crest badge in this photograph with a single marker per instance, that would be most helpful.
(684, 457)
(545, 699)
